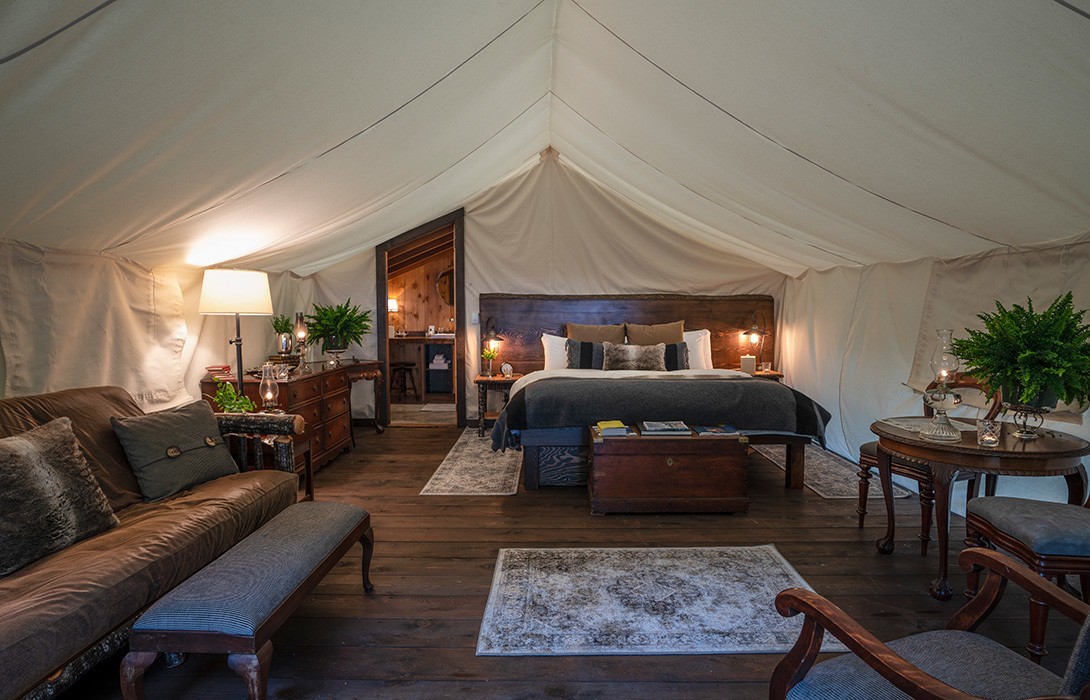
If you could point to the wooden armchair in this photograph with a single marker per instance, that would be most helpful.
(951, 664)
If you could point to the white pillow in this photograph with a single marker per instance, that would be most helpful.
(699, 344)
(556, 351)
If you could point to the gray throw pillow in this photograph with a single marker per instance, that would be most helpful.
(644, 357)
(173, 450)
(50, 497)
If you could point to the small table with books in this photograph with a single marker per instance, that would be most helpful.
(680, 471)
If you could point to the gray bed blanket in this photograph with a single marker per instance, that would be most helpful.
(747, 404)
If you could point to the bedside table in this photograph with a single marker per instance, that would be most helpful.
(485, 384)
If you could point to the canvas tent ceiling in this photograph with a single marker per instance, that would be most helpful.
(797, 135)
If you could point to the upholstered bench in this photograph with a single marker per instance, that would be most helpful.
(235, 604)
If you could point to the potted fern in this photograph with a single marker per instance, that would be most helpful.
(338, 326)
(1033, 358)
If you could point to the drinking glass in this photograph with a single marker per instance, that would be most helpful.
(988, 432)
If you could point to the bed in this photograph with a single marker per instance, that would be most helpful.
(549, 409)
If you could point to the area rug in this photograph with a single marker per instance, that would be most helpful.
(440, 407)
(828, 474)
(471, 468)
(686, 600)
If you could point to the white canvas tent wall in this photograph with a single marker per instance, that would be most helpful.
(863, 161)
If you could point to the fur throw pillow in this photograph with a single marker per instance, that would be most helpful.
(644, 357)
(50, 498)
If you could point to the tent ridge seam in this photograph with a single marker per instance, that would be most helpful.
(55, 33)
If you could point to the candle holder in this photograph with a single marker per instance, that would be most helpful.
(269, 390)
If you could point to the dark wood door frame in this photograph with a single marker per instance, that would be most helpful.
(382, 251)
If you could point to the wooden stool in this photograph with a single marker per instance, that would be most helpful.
(235, 604)
(403, 374)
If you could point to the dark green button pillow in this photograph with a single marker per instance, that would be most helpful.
(50, 497)
(173, 450)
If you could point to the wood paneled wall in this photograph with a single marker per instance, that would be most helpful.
(419, 305)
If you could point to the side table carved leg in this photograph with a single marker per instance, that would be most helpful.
(943, 477)
(885, 545)
(927, 506)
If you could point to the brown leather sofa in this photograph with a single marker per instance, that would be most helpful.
(67, 611)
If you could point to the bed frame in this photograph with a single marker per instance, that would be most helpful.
(560, 457)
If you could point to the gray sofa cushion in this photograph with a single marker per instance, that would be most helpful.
(50, 498)
(171, 451)
(1047, 528)
(966, 661)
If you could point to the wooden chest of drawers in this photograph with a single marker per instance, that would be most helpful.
(660, 474)
(321, 398)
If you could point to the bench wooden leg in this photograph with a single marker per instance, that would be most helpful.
(132, 673)
(368, 542)
(254, 669)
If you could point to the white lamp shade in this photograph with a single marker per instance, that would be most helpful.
(229, 292)
(391, 305)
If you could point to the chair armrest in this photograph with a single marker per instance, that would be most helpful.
(821, 615)
(260, 423)
(1003, 568)
(274, 429)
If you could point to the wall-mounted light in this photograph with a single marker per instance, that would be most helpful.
(755, 335)
(391, 308)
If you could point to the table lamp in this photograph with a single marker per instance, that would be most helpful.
(238, 293)
(391, 309)
(756, 338)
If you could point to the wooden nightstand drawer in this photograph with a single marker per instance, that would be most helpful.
(337, 432)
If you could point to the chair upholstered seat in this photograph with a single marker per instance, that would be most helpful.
(966, 661)
(1049, 529)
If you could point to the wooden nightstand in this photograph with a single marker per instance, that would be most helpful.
(485, 384)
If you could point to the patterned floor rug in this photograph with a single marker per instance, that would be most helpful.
(471, 468)
(685, 600)
(828, 474)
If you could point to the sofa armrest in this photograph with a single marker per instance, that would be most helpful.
(274, 429)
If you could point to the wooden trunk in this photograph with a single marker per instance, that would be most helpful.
(659, 474)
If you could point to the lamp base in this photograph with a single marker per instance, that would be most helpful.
(940, 429)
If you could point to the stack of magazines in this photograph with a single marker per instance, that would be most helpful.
(663, 427)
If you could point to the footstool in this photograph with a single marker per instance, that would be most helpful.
(235, 604)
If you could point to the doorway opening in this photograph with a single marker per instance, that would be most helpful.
(421, 275)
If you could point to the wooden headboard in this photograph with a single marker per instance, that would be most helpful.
(522, 318)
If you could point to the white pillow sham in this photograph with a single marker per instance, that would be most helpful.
(556, 351)
(699, 344)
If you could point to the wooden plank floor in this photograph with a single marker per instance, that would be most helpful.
(415, 635)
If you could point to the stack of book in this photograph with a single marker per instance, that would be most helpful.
(221, 373)
(613, 428)
(716, 430)
(663, 427)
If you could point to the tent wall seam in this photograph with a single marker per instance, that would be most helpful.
(51, 35)
(698, 194)
(326, 152)
(771, 140)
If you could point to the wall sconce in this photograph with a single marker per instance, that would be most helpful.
(754, 338)
(491, 338)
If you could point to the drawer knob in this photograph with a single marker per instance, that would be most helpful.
(669, 461)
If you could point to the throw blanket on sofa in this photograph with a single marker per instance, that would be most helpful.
(747, 404)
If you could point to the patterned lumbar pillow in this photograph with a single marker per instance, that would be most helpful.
(584, 355)
(677, 356)
(643, 357)
(173, 450)
(50, 499)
